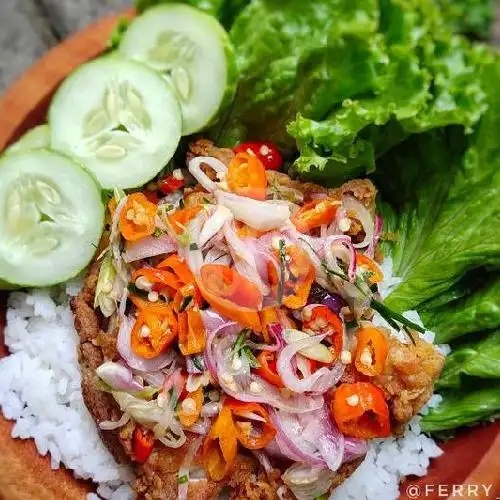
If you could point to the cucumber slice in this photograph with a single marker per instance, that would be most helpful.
(7, 286)
(192, 51)
(36, 138)
(119, 119)
(51, 218)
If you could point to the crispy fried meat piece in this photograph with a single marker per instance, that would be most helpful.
(157, 478)
(204, 147)
(408, 379)
(308, 189)
(409, 375)
(361, 189)
(100, 404)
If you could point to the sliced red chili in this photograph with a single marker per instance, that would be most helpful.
(143, 443)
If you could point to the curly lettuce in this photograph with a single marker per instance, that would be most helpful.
(470, 17)
(443, 204)
(440, 88)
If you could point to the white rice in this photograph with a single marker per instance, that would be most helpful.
(40, 389)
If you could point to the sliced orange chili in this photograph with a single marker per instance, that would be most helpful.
(189, 414)
(143, 443)
(179, 267)
(319, 319)
(154, 330)
(299, 277)
(315, 214)
(158, 276)
(181, 218)
(140, 303)
(220, 446)
(137, 219)
(376, 274)
(231, 294)
(192, 332)
(361, 411)
(267, 369)
(187, 297)
(253, 425)
(246, 176)
(371, 351)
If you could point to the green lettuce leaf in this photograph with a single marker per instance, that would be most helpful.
(470, 17)
(444, 209)
(440, 88)
(460, 408)
(478, 359)
(476, 312)
(270, 38)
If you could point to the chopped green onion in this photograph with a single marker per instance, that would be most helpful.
(185, 302)
(198, 363)
(240, 341)
(207, 201)
(182, 479)
(392, 317)
(158, 233)
(252, 360)
(281, 284)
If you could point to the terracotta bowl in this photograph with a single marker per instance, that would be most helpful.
(472, 459)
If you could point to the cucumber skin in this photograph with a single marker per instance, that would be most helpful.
(22, 144)
(5, 285)
(112, 56)
(232, 74)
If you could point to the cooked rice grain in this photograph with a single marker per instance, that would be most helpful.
(40, 389)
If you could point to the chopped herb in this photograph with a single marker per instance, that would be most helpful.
(181, 203)
(185, 302)
(387, 314)
(182, 479)
(137, 291)
(392, 317)
(242, 347)
(193, 247)
(207, 201)
(351, 324)
(322, 497)
(198, 362)
(158, 233)
(252, 360)
(240, 342)
(281, 284)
